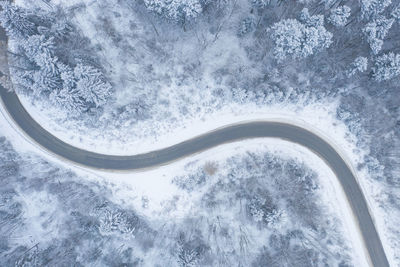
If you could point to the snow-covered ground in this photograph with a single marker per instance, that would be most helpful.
(159, 191)
(151, 193)
(157, 187)
(216, 93)
(155, 134)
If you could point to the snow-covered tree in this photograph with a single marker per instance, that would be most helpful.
(382, 26)
(41, 72)
(67, 76)
(187, 257)
(339, 16)
(246, 26)
(189, 250)
(5, 81)
(45, 81)
(36, 45)
(311, 21)
(40, 67)
(360, 64)
(68, 97)
(117, 220)
(69, 100)
(396, 13)
(14, 20)
(386, 67)
(375, 45)
(376, 31)
(260, 3)
(264, 211)
(58, 29)
(92, 84)
(298, 40)
(176, 10)
(372, 8)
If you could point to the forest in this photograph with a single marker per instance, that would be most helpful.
(124, 71)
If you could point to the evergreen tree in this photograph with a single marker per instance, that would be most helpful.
(67, 76)
(176, 10)
(15, 21)
(58, 29)
(298, 40)
(376, 31)
(360, 64)
(386, 67)
(264, 211)
(92, 85)
(45, 75)
(68, 97)
(339, 16)
(69, 100)
(396, 13)
(372, 8)
(36, 45)
(311, 21)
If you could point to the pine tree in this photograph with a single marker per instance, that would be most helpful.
(36, 45)
(396, 13)
(339, 16)
(67, 76)
(295, 39)
(45, 82)
(39, 50)
(22, 79)
(15, 21)
(176, 10)
(372, 8)
(68, 97)
(386, 67)
(40, 72)
(92, 85)
(311, 21)
(59, 29)
(69, 100)
(360, 64)
(264, 211)
(376, 31)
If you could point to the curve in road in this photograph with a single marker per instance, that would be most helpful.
(228, 134)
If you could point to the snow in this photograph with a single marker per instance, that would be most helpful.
(319, 116)
(315, 118)
(156, 184)
(155, 133)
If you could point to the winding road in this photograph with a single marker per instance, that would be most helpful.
(209, 140)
